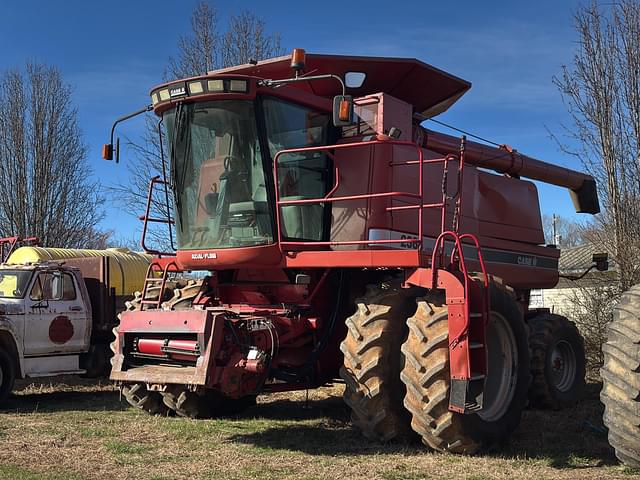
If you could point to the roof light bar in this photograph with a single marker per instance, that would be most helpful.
(199, 87)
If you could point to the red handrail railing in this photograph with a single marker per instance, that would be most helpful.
(330, 198)
(147, 219)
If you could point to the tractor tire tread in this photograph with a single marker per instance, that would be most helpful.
(621, 379)
(371, 369)
(139, 397)
(543, 330)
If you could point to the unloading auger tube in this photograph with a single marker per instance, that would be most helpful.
(505, 160)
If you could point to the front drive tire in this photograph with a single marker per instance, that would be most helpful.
(427, 379)
(372, 362)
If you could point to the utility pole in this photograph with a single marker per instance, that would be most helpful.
(557, 238)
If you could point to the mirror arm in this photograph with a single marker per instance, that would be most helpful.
(277, 83)
(146, 109)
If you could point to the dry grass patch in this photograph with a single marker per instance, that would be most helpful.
(81, 430)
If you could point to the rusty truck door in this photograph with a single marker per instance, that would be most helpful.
(55, 325)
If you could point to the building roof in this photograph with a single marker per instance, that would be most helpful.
(578, 259)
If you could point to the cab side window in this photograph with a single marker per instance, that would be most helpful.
(68, 288)
(43, 287)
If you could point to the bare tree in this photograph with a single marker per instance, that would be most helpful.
(45, 186)
(207, 47)
(198, 52)
(602, 94)
(246, 40)
(592, 310)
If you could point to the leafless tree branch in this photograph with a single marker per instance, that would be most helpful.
(45, 186)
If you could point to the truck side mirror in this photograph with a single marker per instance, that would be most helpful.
(108, 150)
(57, 286)
(601, 261)
(342, 110)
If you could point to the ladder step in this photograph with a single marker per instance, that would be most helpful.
(475, 315)
(153, 279)
(477, 376)
(473, 345)
(472, 406)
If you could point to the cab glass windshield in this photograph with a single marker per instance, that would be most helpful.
(13, 283)
(218, 176)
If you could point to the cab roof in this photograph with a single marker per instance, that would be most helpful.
(430, 90)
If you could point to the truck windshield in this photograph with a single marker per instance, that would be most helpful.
(218, 176)
(14, 283)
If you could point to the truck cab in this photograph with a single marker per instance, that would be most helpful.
(46, 308)
(57, 317)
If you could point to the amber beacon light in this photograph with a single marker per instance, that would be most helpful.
(297, 59)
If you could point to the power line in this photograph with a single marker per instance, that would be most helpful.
(464, 132)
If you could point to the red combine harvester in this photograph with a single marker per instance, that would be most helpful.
(343, 239)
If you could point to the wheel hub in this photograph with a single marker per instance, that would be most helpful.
(563, 366)
(502, 371)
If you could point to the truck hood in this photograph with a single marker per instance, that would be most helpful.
(11, 306)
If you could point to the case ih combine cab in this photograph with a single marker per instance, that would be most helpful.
(343, 239)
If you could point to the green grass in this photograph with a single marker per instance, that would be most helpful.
(9, 472)
(631, 471)
(89, 434)
(118, 447)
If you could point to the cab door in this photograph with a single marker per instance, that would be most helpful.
(56, 317)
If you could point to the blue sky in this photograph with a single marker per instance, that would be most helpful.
(112, 53)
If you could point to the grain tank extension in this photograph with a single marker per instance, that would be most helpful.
(341, 239)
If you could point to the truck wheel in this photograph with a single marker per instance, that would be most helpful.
(621, 379)
(139, 397)
(427, 380)
(97, 361)
(7, 375)
(557, 362)
(372, 359)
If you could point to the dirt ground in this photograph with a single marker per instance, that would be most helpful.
(77, 429)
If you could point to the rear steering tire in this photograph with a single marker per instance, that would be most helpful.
(557, 362)
(427, 379)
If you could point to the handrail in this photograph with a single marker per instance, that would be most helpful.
(328, 198)
(171, 267)
(146, 219)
